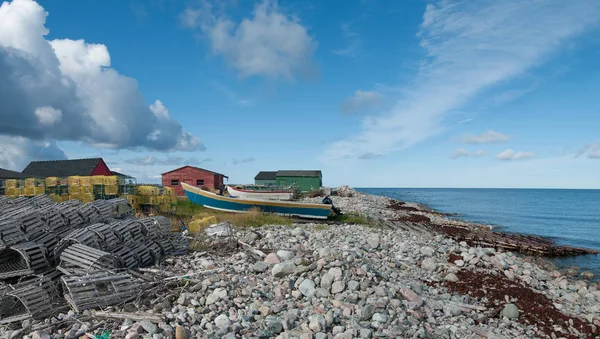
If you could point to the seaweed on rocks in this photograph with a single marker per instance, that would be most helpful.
(534, 307)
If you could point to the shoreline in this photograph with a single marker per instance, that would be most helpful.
(392, 278)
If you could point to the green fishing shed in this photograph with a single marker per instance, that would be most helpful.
(266, 178)
(305, 180)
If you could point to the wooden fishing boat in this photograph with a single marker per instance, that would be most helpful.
(238, 205)
(259, 194)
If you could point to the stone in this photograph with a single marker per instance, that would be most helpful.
(510, 311)
(366, 312)
(380, 318)
(459, 263)
(298, 231)
(181, 333)
(149, 326)
(272, 259)
(320, 335)
(264, 310)
(322, 293)
(365, 333)
(317, 323)
(327, 281)
(373, 241)
(353, 285)
(336, 272)
(40, 335)
(451, 277)
(429, 264)
(283, 269)
(587, 275)
(337, 287)
(286, 255)
(132, 335)
(222, 321)
(527, 266)
(307, 288)
(338, 330)
(274, 324)
(260, 267)
(426, 251)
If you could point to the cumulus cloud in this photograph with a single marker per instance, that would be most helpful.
(243, 161)
(70, 86)
(592, 150)
(509, 154)
(16, 152)
(469, 47)
(361, 101)
(463, 153)
(270, 43)
(488, 137)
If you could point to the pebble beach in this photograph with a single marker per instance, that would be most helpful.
(393, 278)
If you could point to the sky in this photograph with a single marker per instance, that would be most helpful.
(376, 93)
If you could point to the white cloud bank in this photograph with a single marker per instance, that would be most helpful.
(470, 46)
(463, 153)
(591, 150)
(488, 137)
(64, 89)
(270, 44)
(361, 101)
(509, 154)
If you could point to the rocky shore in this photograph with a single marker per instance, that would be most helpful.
(398, 277)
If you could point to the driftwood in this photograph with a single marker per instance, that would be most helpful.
(468, 306)
(133, 316)
(489, 314)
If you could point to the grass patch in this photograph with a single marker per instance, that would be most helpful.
(185, 210)
(352, 218)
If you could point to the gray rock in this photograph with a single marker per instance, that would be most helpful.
(307, 288)
(366, 312)
(298, 231)
(222, 321)
(283, 269)
(286, 255)
(157, 336)
(459, 263)
(274, 324)
(337, 287)
(353, 285)
(320, 335)
(373, 241)
(510, 311)
(149, 326)
(426, 251)
(365, 333)
(336, 272)
(429, 264)
(451, 277)
(338, 329)
(380, 318)
(322, 293)
(132, 335)
(40, 335)
(317, 323)
(260, 267)
(182, 300)
(327, 281)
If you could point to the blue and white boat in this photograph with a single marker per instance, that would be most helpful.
(238, 205)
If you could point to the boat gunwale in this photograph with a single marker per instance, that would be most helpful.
(259, 192)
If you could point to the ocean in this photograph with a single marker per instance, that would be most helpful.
(569, 217)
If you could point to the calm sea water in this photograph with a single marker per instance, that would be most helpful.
(570, 217)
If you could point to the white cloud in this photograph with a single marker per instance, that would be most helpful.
(470, 46)
(48, 115)
(352, 39)
(243, 161)
(463, 153)
(159, 110)
(592, 150)
(17, 152)
(488, 137)
(509, 154)
(71, 81)
(270, 44)
(361, 101)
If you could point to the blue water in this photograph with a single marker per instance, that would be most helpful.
(569, 217)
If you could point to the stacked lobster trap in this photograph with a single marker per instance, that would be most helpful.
(74, 254)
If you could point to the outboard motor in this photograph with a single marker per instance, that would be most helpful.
(327, 200)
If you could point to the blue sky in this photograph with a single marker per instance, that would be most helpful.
(377, 93)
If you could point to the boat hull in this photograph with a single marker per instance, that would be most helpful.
(237, 205)
(257, 195)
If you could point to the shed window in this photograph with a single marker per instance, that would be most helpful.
(199, 182)
(174, 182)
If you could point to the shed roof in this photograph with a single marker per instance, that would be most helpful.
(62, 168)
(121, 175)
(197, 168)
(266, 175)
(294, 173)
(8, 174)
